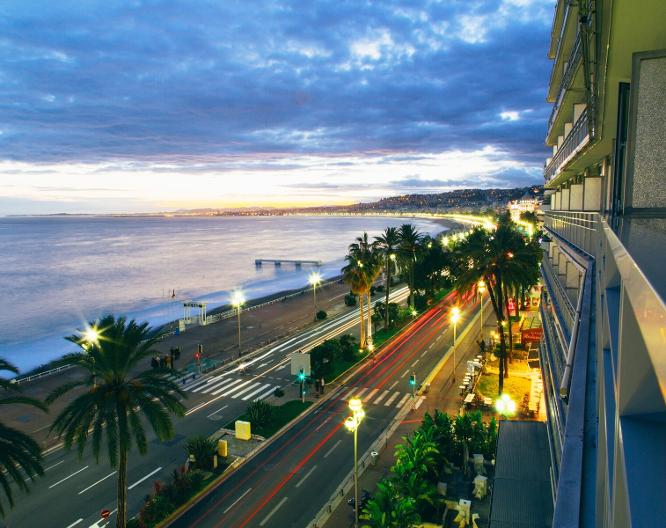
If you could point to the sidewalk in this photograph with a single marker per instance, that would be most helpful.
(443, 395)
(220, 340)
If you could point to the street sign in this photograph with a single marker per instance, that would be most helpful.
(300, 362)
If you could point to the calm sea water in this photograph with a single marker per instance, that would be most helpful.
(58, 272)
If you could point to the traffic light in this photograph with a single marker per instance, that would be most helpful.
(301, 375)
(412, 380)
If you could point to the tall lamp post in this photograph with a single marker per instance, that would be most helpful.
(91, 339)
(315, 280)
(237, 301)
(352, 423)
(455, 317)
(481, 288)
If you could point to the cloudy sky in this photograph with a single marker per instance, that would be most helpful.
(111, 106)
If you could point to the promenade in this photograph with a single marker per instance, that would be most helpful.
(259, 327)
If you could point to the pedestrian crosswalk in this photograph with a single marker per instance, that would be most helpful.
(224, 385)
(377, 396)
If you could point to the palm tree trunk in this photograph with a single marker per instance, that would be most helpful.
(508, 318)
(369, 319)
(496, 299)
(121, 516)
(360, 310)
(411, 284)
(388, 285)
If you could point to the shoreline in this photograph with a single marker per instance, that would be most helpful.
(166, 329)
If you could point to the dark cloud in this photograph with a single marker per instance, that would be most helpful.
(181, 81)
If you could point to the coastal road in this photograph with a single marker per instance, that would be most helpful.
(288, 482)
(74, 491)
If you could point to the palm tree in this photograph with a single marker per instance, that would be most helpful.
(388, 509)
(17, 450)
(387, 243)
(352, 274)
(495, 258)
(410, 245)
(117, 399)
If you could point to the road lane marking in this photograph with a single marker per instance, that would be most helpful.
(248, 388)
(306, 476)
(144, 478)
(419, 402)
(360, 393)
(95, 484)
(262, 388)
(415, 362)
(348, 394)
(332, 448)
(267, 393)
(323, 423)
(404, 399)
(216, 388)
(404, 374)
(220, 409)
(394, 384)
(75, 523)
(370, 395)
(381, 397)
(248, 490)
(390, 400)
(54, 465)
(262, 523)
(226, 391)
(68, 477)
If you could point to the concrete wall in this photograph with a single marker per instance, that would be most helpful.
(576, 197)
(592, 194)
(564, 206)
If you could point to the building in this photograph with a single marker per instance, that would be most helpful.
(526, 204)
(604, 317)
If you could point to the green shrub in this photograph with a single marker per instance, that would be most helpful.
(156, 508)
(202, 449)
(321, 315)
(350, 299)
(259, 413)
(348, 347)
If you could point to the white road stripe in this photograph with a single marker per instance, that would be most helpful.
(394, 384)
(266, 394)
(220, 409)
(144, 478)
(306, 476)
(404, 399)
(254, 385)
(370, 395)
(381, 397)
(390, 400)
(195, 383)
(226, 390)
(219, 387)
(404, 374)
(262, 523)
(332, 448)
(419, 402)
(415, 362)
(54, 465)
(68, 477)
(323, 423)
(360, 393)
(248, 490)
(348, 394)
(74, 523)
(262, 388)
(95, 484)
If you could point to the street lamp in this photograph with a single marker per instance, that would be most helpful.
(505, 405)
(481, 288)
(237, 301)
(352, 423)
(315, 280)
(90, 338)
(455, 317)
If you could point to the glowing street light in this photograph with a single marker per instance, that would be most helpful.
(315, 280)
(505, 405)
(481, 288)
(237, 301)
(89, 339)
(455, 317)
(351, 423)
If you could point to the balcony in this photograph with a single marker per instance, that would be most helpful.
(566, 81)
(573, 143)
(577, 228)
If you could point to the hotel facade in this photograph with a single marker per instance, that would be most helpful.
(604, 267)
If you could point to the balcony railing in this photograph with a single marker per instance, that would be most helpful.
(577, 138)
(577, 228)
(574, 58)
(564, 306)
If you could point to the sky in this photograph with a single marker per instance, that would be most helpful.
(144, 106)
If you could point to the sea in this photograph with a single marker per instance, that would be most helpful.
(57, 273)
